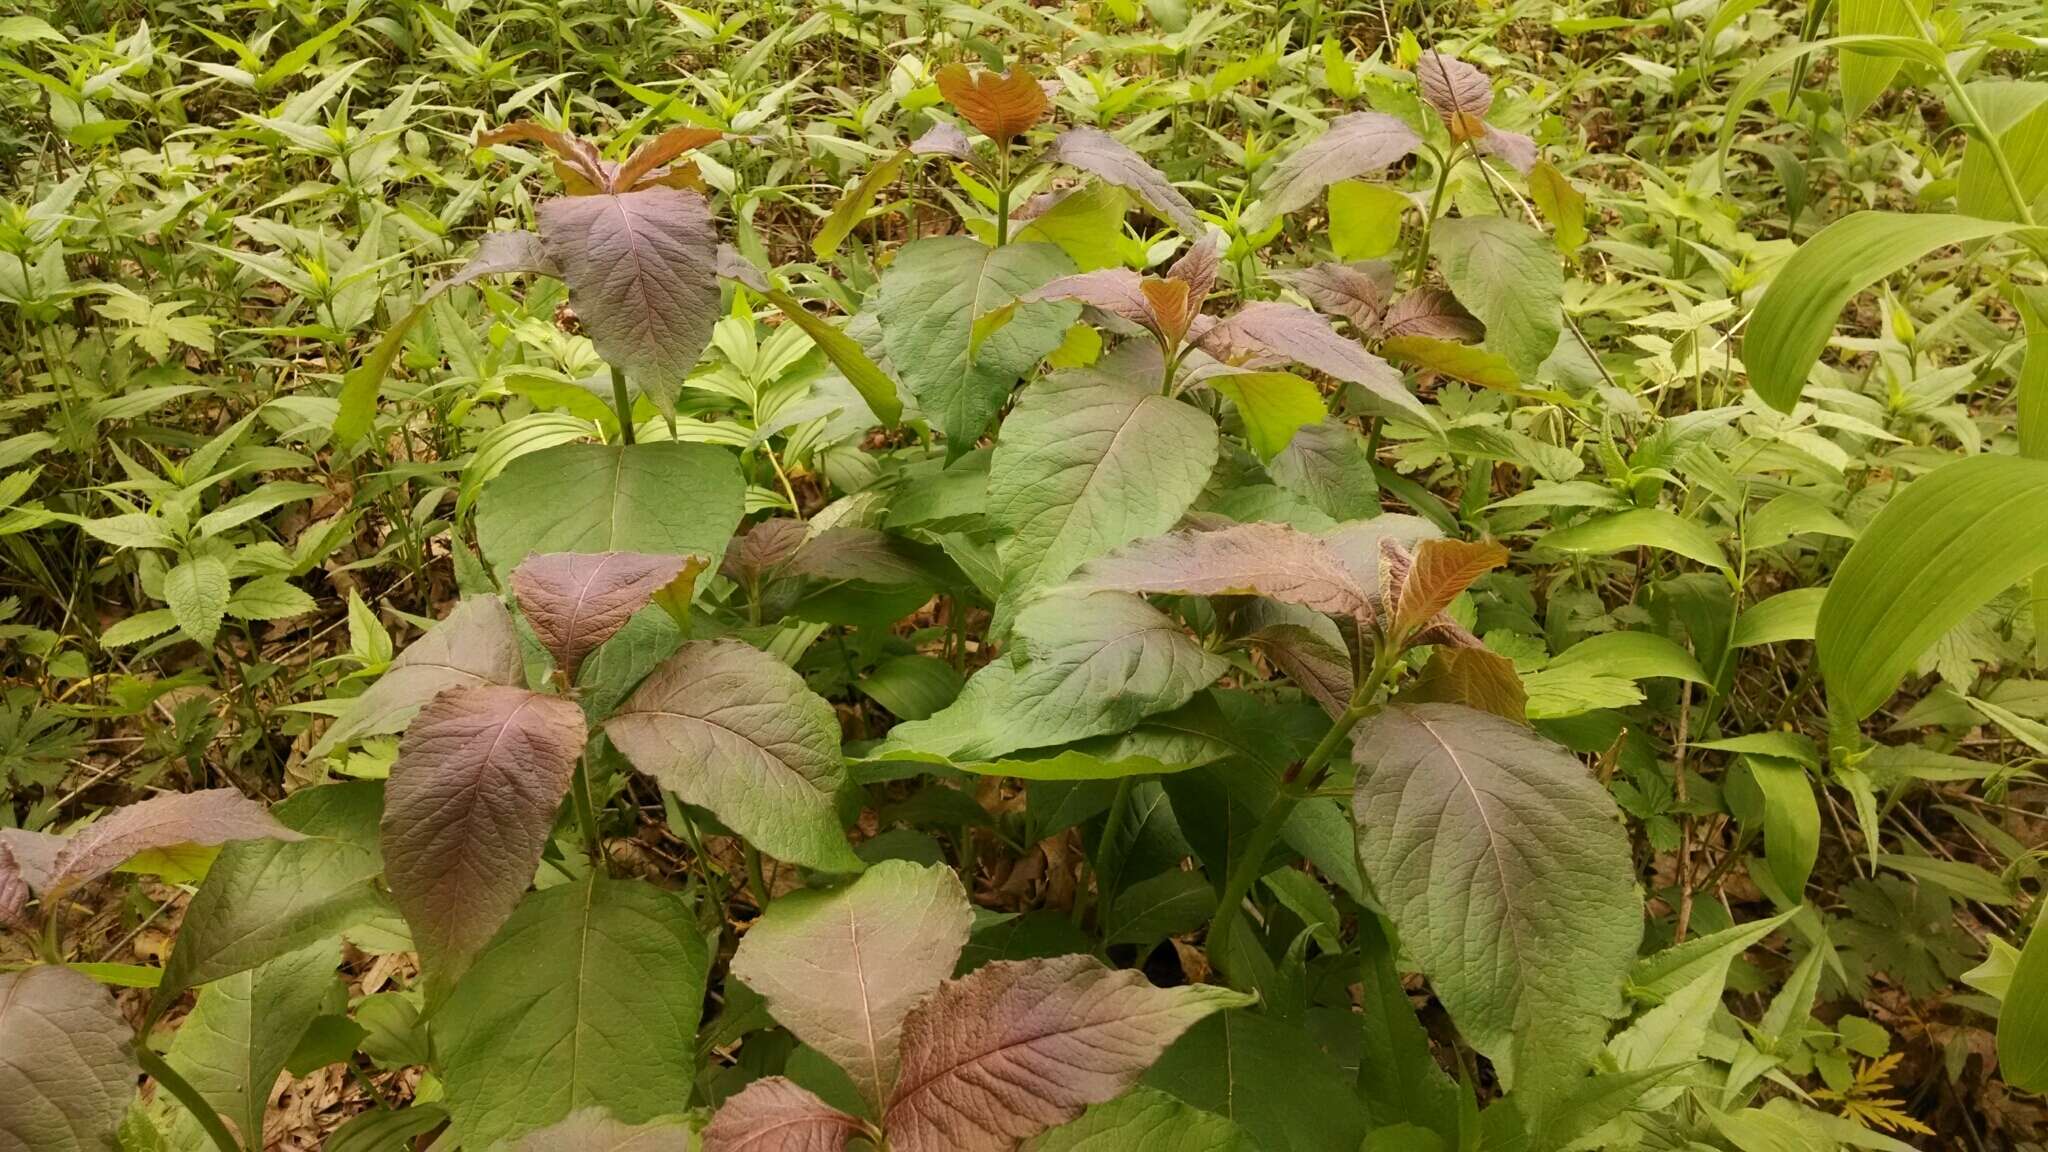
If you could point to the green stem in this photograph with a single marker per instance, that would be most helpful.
(1291, 792)
(187, 1095)
(1436, 205)
(624, 404)
(757, 885)
(1106, 849)
(2021, 209)
(586, 816)
(1003, 196)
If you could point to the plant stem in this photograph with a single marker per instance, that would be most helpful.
(1106, 851)
(187, 1095)
(757, 885)
(1003, 196)
(2022, 211)
(1436, 205)
(586, 816)
(1291, 792)
(624, 404)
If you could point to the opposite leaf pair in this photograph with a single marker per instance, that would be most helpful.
(976, 1064)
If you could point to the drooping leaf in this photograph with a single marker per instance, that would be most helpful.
(1474, 677)
(1562, 204)
(728, 727)
(642, 273)
(1283, 331)
(1090, 461)
(1146, 1120)
(213, 816)
(1466, 362)
(775, 1114)
(1104, 156)
(68, 1073)
(854, 204)
(842, 969)
(197, 594)
(594, 1130)
(589, 997)
(1354, 144)
(1270, 560)
(662, 498)
(1509, 276)
(1936, 552)
(476, 644)
(1635, 655)
(1000, 104)
(1792, 322)
(1504, 867)
(1273, 405)
(578, 600)
(930, 299)
(263, 899)
(242, 1031)
(468, 809)
(1017, 1047)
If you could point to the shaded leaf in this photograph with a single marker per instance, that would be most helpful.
(1430, 312)
(1354, 144)
(774, 1114)
(593, 1130)
(576, 601)
(1269, 328)
(1145, 1120)
(213, 816)
(468, 809)
(1257, 1073)
(728, 727)
(853, 206)
(1509, 276)
(1357, 292)
(68, 1074)
(2023, 1018)
(1019, 1046)
(1477, 678)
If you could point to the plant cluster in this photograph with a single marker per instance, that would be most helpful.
(1080, 578)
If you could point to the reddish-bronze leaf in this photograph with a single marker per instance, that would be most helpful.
(767, 544)
(214, 816)
(578, 163)
(1276, 561)
(67, 1071)
(14, 891)
(1430, 312)
(1316, 666)
(577, 600)
(1459, 92)
(1355, 144)
(1018, 1046)
(1197, 267)
(1434, 575)
(644, 166)
(1117, 291)
(943, 139)
(1002, 105)
(775, 1115)
(1357, 292)
(1270, 328)
(1512, 147)
(467, 811)
(1099, 154)
(1173, 307)
(1475, 677)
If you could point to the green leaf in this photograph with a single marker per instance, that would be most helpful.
(1936, 552)
(1273, 406)
(1509, 276)
(912, 687)
(1327, 465)
(1463, 809)
(1658, 976)
(1639, 528)
(197, 593)
(853, 207)
(1146, 1120)
(1561, 203)
(1087, 224)
(845, 353)
(476, 644)
(930, 298)
(139, 627)
(1633, 655)
(589, 997)
(1090, 461)
(1792, 322)
(269, 598)
(1466, 362)
(1786, 616)
(2023, 1021)
(1149, 911)
(1791, 820)
(1865, 76)
(665, 498)
(729, 727)
(1959, 877)
(1365, 219)
(2015, 114)
(1257, 1073)
(243, 1028)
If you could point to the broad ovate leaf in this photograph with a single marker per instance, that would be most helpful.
(1271, 560)
(1001, 104)
(664, 498)
(1935, 553)
(1353, 145)
(1357, 292)
(1273, 406)
(775, 1114)
(1089, 461)
(1460, 93)
(476, 644)
(589, 997)
(467, 811)
(1270, 329)
(578, 600)
(1508, 274)
(929, 303)
(841, 969)
(642, 273)
(1504, 865)
(1437, 571)
(594, 1130)
(728, 727)
(1083, 666)
(1117, 291)
(67, 1073)
(213, 816)
(1105, 157)
(242, 1030)
(1017, 1047)
(1793, 321)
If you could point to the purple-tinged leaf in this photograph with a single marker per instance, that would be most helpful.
(35, 855)
(1104, 156)
(1017, 1047)
(733, 266)
(855, 555)
(476, 644)
(1117, 291)
(1453, 87)
(1436, 572)
(67, 1073)
(728, 727)
(577, 600)
(214, 816)
(776, 1115)
(840, 970)
(642, 274)
(1197, 269)
(943, 139)
(1513, 147)
(1432, 313)
(1269, 328)
(1354, 145)
(14, 892)
(1308, 658)
(1472, 676)
(577, 161)
(1357, 292)
(1271, 560)
(765, 545)
(594, 1130)
(649, 163)
(467, 812)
